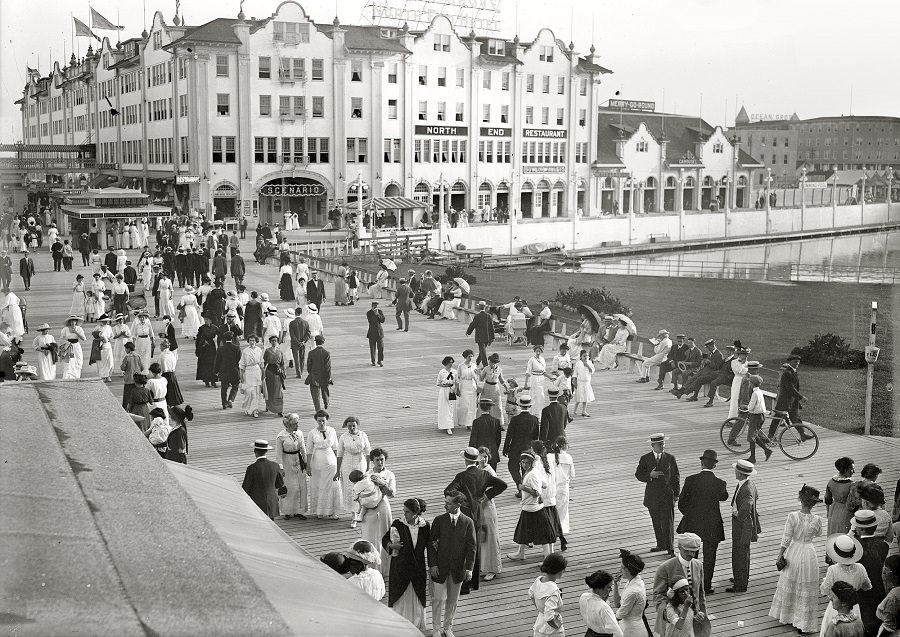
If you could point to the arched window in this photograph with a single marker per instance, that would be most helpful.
(688, 182)
(528, 187)
(422, 187)
(670, 182)
(607, 183)
(742, 181)
(651, 182)
(559, 185)
(503, 186)
(543, 185)
(458, 187)
(707, 182)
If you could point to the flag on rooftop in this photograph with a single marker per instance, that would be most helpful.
(82, 29)
(99, 22)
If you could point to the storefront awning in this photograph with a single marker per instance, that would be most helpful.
(89, 212)
(391, 203)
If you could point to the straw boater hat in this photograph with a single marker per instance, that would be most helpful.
(745, 467)
(104, 317)
(710, 341)
(74, 317)
(657, 438)
(525, 401)
(663, 331)
(843, 549)
(231, 314)
(290, 313)
(189, 289)
(264, 296)
(143, 313)
(485, 402)
(120, 317)
(43, 326)
(470, 453)
(312, 308)
(865, 519)
(262, 445)
(371, 558)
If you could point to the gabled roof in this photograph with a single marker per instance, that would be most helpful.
(218, 31)
(366, 38)
(508, 57)
(746, 161)
(590, 67)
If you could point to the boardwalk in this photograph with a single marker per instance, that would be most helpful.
(396, 406)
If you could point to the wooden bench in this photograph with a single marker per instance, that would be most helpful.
(659, 238)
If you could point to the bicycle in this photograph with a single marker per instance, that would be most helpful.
(796, 441)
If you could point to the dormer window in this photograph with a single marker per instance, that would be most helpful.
(441, 42)
(388, 33)
(642, 146)
(546, 54)
(718, 148)
(496, 47)
(157, 40)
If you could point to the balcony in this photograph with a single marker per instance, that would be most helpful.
(50, 164)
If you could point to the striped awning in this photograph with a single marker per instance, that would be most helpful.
(391, 203)
(40, 148)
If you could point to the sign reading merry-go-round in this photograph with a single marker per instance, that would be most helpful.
(292, 190)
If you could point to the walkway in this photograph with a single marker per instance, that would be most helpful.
(396, 406)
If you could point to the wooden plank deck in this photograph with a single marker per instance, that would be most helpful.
(396, 406)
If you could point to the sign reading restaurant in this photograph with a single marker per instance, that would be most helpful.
(632, 105)
(543, 132)
(187, 179)
(292, 190)
(543, 169)
(442, 131)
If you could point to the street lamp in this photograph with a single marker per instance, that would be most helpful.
(803, 180)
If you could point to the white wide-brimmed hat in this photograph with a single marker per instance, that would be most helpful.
(843, 549)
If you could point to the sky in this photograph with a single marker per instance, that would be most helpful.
(694, 57)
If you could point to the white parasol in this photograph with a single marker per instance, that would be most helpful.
(629, 324)
(389, 265)
(463, 285)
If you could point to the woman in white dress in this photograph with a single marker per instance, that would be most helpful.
(290, 454)
(845, 552)
(146, 266)
(596, 612)
(70, 349)
(324, 486)
(251, 366)
(607, 358)
(739, 367)
(376, 522)
(300, 292)
(565, 471)
(489, 538)
(584, 393)
(352, 453)
(125, 240)
(121, 335)
(271, 325)
(135, 235)
(95, 305)
(466, 388)
(11, 313)
(630, 595)
(191, 322)
(380, 281)
(46, 367)
(446, 408)
(159, 389)
(288, 220)
(121, 258)
(315, 323)
(535, 374)
(166, 294)
(142, 332)
(106, 363)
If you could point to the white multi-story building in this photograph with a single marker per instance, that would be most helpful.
(261, 116)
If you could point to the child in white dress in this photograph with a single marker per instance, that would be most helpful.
(584, 393)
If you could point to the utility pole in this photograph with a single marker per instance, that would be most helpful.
(871, 358)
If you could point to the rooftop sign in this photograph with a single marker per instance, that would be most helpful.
(465, 15)
(632, 105)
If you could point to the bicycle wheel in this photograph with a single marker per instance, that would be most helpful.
(731, 430)
(798, 442)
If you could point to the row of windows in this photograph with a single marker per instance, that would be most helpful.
(132, 151)
(132, 114)
(440, 151)
(131, 82)
(159, 74)
(265, 150)
(858, 141)
(288, 68)
(158, 110)
(159, 150)
(108, 152)
(543, 152)
(487, 154)
(294, 106)
(845, 155)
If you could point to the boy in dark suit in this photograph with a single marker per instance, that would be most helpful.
(699, 506)
(659, 471)
(483, 326)
(262, 480)
(745, 526)
(451, 554)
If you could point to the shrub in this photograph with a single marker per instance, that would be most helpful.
(600, 299)
(830, 350)
(453, 272)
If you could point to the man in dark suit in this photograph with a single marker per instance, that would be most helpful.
(659, 471)
(26, 269)
(315, 291)
(318, 368)
(228, 355)
(298, 330)
(200, 265)
(789, 398)
(554, 418)
(706, 375)
(110, 260)
(523, 428)
(486, 431)
(692, 358)
(403, 301)
(263, 479)
(699, 506)
(238, 267)
(478, 486)
(483, 326)
(181, 267)
(219, 265)
(675, 356)
(230, 325)
(451, 556)
(157, 272)
(414, 281)
(745, 526)
(375, 334)
(685, 565)
(726, 373)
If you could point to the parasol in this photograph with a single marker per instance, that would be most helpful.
(591, 315)
(389, 265)
(629, 324)
(463, 284)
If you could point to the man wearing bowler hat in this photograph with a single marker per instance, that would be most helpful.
(685, 565)
(262, 480)
(486, 431)
(483, 326)
(659, 471)
(745, 527)
(699, 506)
(789, 398)
(523, 428)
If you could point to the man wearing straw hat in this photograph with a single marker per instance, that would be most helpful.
(487, 431)
(745, 527)
(874, 552)
(663, 344)
(659, 471)
(263, 479)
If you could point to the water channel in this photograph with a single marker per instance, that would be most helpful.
(864, 258)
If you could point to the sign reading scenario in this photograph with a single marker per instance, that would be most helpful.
(292, 190)
(465, 15)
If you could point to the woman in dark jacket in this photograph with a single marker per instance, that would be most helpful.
(206, 351)
(406, 541)
(253, 317)
(177, 442)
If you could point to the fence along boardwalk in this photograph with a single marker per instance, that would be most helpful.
(397, 407)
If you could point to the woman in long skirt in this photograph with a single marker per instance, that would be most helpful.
(253, 316)
(71, 352)
(565, 471)
(142, 331)
(535, 375)
(376, 522)
(584, 393)
(166, 295)
(78, 297)
(167, 362)
(446, 408)
(251, 366)
(837, 497)
(489, 538)
(406, 541)
(300, 292)
(273, 360)
(46, 365)
(206, 352)
(95, 305)
(290, 453)
(177, 443)
(106, 362)
(340, 285)
(607, 358)
(191, 322)
(121, 335)
(286, 284)
(492, 380)
(845, 552)
(352, 454)
(466, 372)
(533, 527)
(796, 598)
(159, 388)
(139, 401)
(324, 490)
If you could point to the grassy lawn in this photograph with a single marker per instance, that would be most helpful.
(769, 318)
